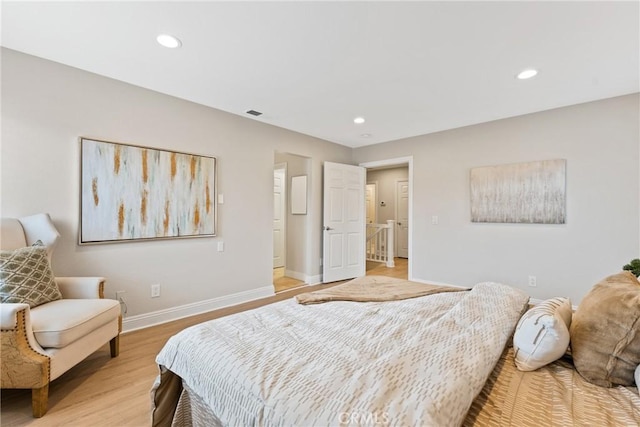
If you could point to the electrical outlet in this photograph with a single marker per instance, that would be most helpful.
(155, 290)
(532, 281)
(220, 246)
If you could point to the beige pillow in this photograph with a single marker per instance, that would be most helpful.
(542, 334)
(26, 276)
(605, 332)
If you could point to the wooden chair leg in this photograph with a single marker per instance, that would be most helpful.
(114, 345)
(39, 400)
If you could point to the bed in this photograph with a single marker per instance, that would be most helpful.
(440, 359)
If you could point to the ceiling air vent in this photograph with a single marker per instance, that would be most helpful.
(254, 113)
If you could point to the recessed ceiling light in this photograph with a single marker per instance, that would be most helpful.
(358, 120)
(365, 135)
(169, 41)
(527, 74)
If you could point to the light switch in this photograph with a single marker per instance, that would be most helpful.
(220, 199)
(220, 246)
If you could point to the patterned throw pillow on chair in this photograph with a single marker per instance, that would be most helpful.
(26, 276)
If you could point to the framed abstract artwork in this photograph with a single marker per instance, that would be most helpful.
(299, 195)
(531, 192)
(131, 193)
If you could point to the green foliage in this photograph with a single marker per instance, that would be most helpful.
(633, 266)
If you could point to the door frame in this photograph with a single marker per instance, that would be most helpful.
(397, 181)
(283, 166)
(400, 161)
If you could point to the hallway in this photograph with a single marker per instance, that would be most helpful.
(400, 271)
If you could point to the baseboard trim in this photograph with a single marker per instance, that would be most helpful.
(432, 282)
(536, 301)
(154, 318)
(314, 280)
(308, 280)
(532, 301)
(296, 275)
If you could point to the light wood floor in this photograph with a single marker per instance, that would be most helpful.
(400, 270)
(284, 283)
(101, 391)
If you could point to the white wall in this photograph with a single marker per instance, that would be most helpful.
(600, 141)
(47, 106)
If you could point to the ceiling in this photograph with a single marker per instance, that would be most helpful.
(409, 68)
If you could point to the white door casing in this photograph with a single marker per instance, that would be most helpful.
(402, 219)
(344, 222)
(279, 213)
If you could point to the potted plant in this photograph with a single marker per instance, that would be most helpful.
(633, 266)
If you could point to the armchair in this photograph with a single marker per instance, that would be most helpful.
(40, 343)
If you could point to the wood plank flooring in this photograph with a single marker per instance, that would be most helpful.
(284, 283)
(400, 270)
(101, 391)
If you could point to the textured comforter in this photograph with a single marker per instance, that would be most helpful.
(414, 362)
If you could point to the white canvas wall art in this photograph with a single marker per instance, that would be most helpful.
(130, 193)
(532, 192)
(299, 195)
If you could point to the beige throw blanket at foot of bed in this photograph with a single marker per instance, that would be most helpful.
(374, 289)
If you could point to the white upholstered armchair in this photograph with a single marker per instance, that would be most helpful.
(52, 330)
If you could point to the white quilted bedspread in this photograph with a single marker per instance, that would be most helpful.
(415, 362)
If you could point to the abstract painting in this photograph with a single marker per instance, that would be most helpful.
(532, 192)
(132, 193)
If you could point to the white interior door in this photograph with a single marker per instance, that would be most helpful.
(402, 219)
(279, 212)
(371, 204)
(344, 222)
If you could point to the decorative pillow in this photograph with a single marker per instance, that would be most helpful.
(26, 276)
(605, 333)
(542, 334)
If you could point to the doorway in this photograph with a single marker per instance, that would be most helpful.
(393, 179)
(290, 230)
(279, 214)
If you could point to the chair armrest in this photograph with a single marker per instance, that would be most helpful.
(81, 287)
(25, 364)
(12, 317)
(9, 315)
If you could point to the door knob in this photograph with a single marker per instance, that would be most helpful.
(327, 228)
